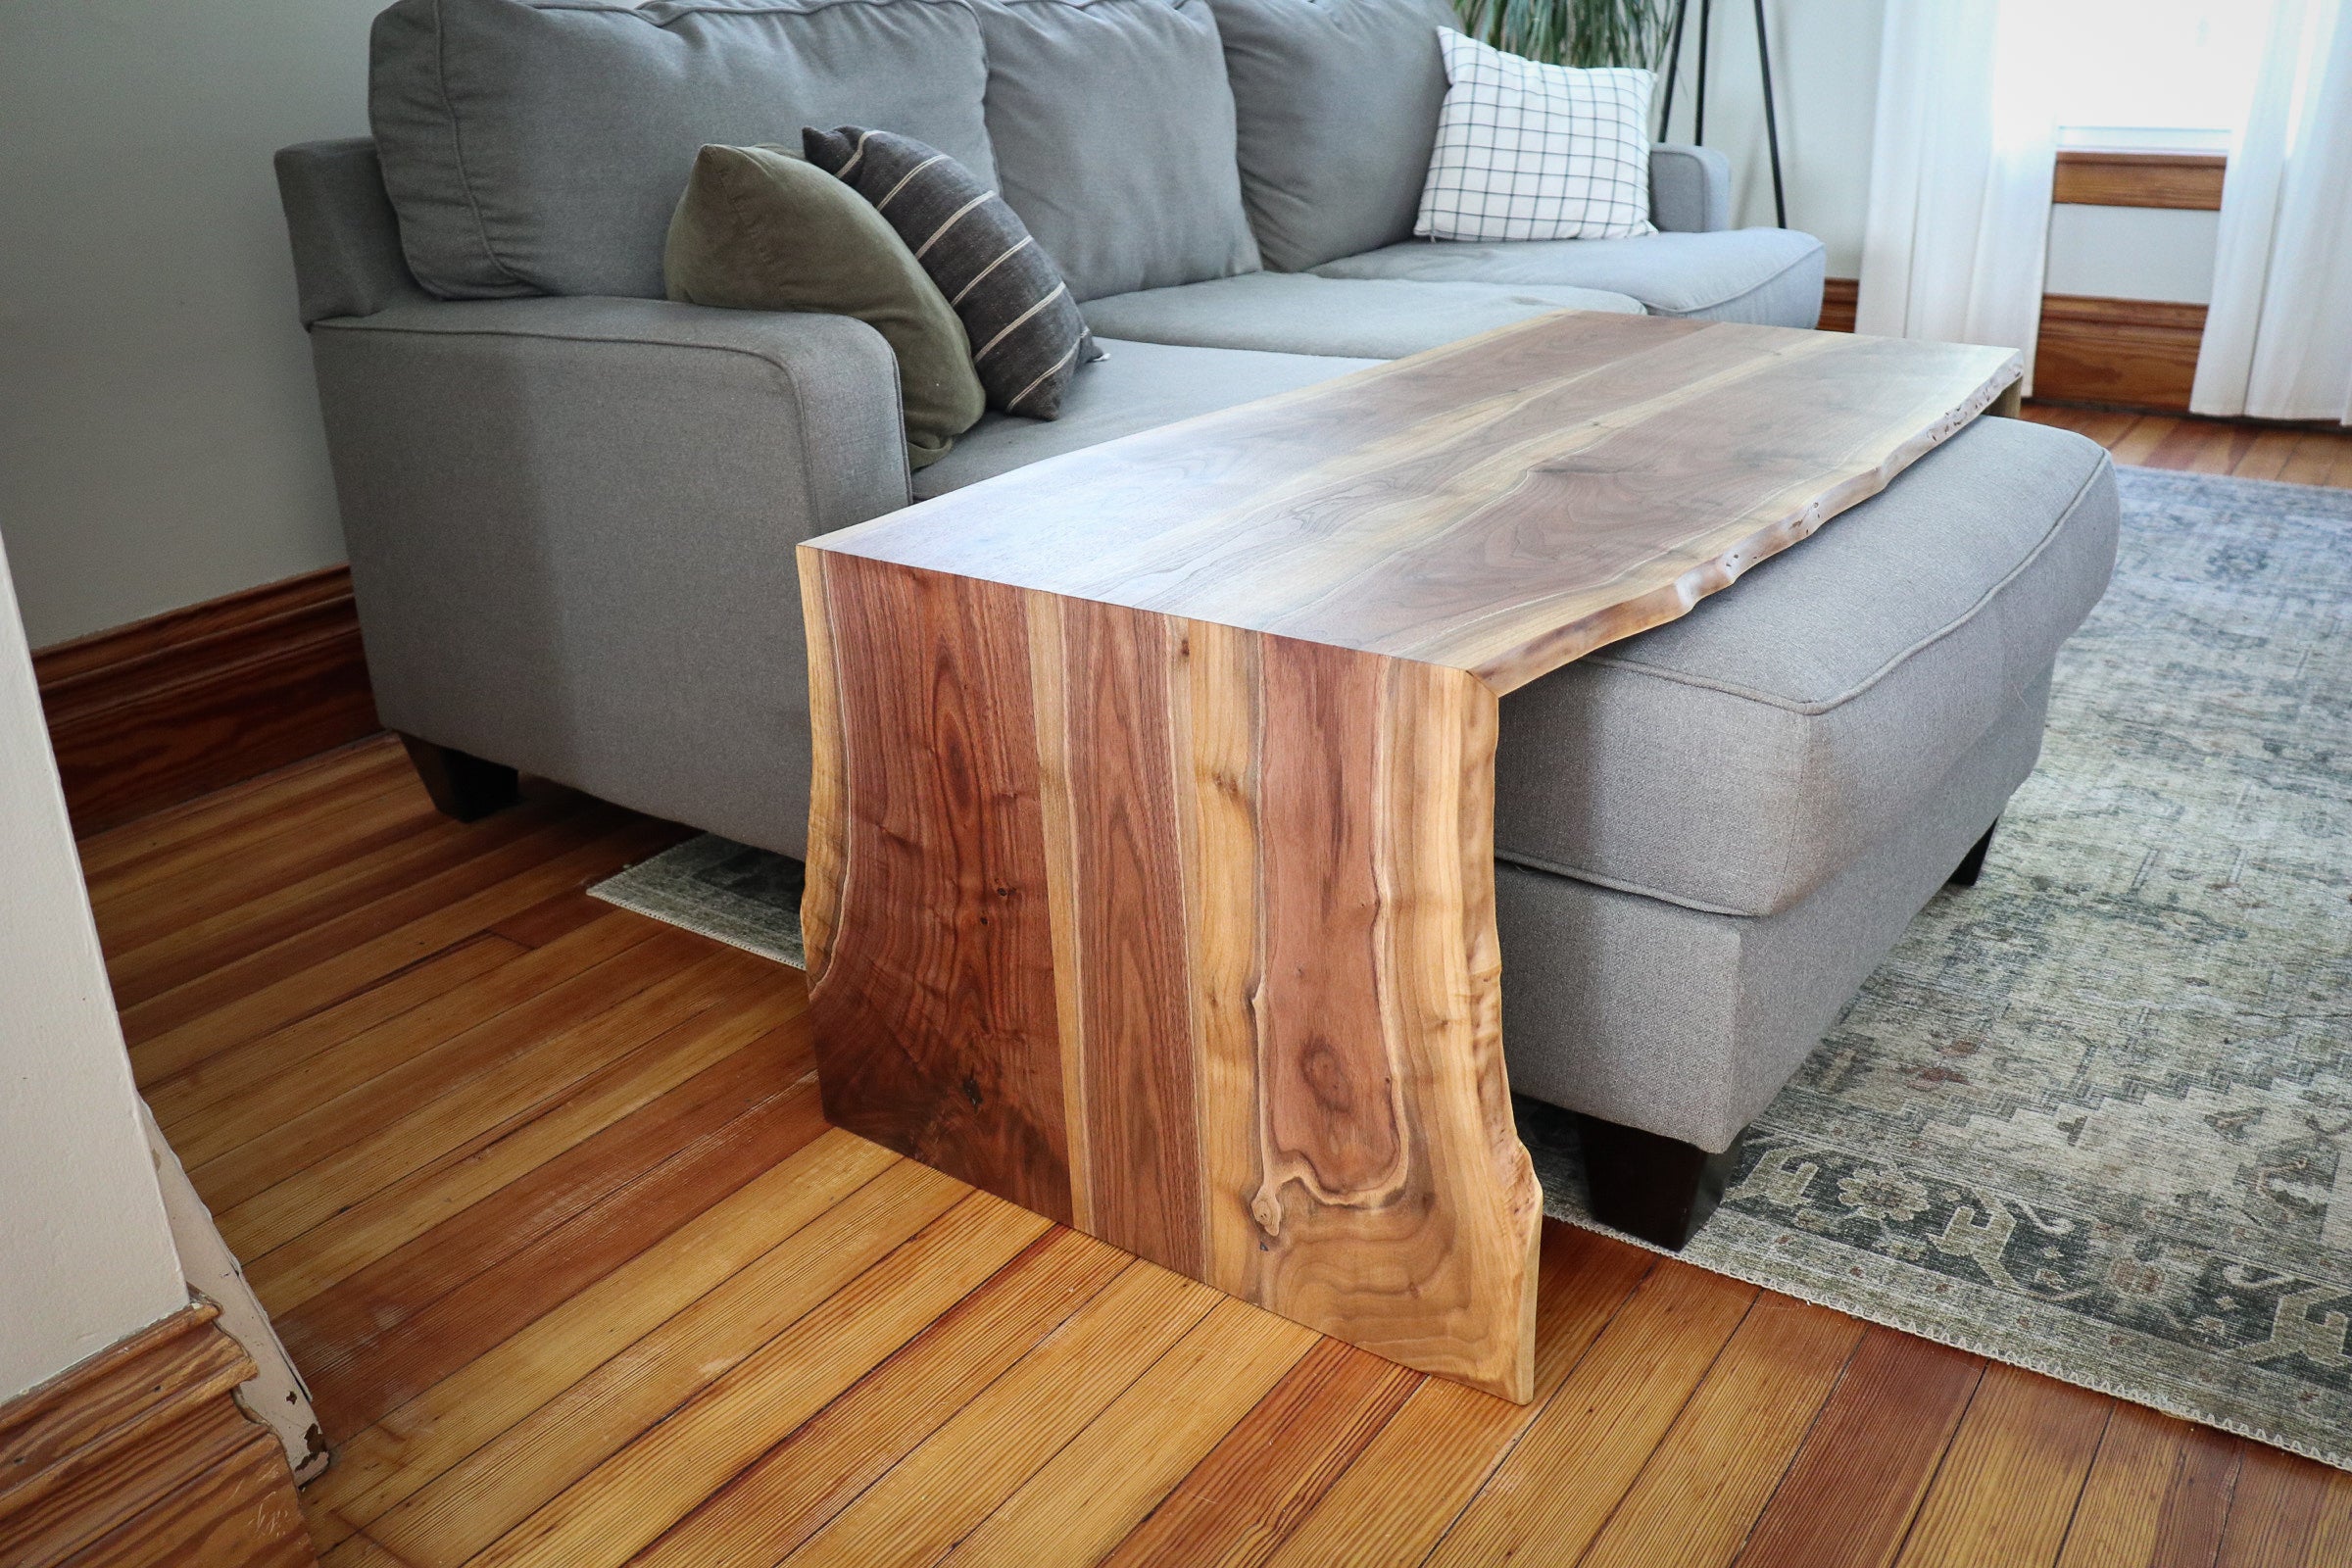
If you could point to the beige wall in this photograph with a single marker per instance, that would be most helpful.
(159, 437)
(85, 1254)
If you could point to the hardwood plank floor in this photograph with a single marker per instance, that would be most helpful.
(2243, 447)
(542, 1199)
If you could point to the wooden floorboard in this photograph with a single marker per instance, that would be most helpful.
(542, 1197)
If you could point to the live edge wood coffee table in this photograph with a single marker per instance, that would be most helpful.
(1150, 865)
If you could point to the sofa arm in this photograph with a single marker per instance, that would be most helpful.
(1689, 188)
(571, 526)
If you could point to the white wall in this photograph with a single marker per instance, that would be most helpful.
(1824, 63)
(2133, 253)
(159, 435)
(85, 1254)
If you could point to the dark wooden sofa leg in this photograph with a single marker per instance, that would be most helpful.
(461, 786)
(1658, 1189)
(1972, 865)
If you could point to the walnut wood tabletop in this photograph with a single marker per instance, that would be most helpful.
(1150, 869)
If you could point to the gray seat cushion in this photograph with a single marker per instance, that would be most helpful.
(1114, 131)
(1738, 758)
(1338, 109)
(1685, 1024)
(1365, 318)
(537, 146)
(1770, 276)
(1139, 387)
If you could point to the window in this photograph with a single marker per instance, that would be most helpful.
(2175, 75)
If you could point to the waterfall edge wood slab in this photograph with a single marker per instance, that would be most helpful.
(1151, 877)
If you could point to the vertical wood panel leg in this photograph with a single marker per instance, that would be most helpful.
(1184, 935)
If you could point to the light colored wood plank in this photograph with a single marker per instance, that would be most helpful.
(1103, 1482)
(333, 1249)
(224, 870)
(2266, 458)
(359, 1552)
(430, 1435)
(1582, 1452)
(1699, 1494)
(2145, 435)
(384, 1334)
(1849, 1497)
(238, 1514)
(564, 1439)
(938, 1494)
(793, 1490)
(667, 989)
(149, 952)
(1240, 1501)
(2157, 1495)
(2331, 1533)
(279, 1119)
(2009, 1483)
(208, 826)
(249, 1070)
(1394, 1503)
(250, 998)
(2275, 1511)
(630, 1499)
(206, 992)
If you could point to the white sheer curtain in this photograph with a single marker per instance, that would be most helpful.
(1964, 149)
(2279, 336)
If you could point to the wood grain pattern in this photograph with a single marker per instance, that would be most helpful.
(1374, 1161)
(2138, 353)
(1501, 505)
(2007, 1489)
(1152, 861)
(2093, 176)
(164, 709)
(2158, 1494)
(140, 1456)
(1847, 1498)
(1241, 1500)
(1837, 299)
(798, 1487)
(923, 1440)
(1701, 1492)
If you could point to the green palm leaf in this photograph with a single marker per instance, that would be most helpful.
(1572, 33)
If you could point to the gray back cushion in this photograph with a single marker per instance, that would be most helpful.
(1337, 108)
(538, 146)
(1114, 140)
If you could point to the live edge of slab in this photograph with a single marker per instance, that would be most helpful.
(1151, 877)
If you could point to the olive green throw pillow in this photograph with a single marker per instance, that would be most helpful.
(761, 230)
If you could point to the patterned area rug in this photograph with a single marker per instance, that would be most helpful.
(2093, 1117)
(730, 892)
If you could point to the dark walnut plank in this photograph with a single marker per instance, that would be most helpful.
(1151, 848)
(1059, 974)
(1503, 505)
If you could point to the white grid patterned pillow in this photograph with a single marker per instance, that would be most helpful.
(1537, 152)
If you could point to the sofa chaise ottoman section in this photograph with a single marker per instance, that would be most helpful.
(1135, 387)
(1298, 313)
(1770, 276)
(1708, 835)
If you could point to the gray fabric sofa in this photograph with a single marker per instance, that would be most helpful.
(571, 505)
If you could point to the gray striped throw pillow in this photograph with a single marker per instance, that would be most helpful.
(1027, 335)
